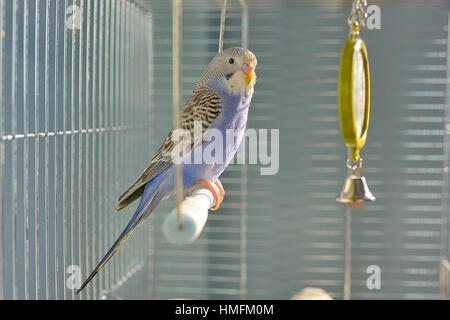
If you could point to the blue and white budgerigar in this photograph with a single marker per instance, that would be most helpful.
(220, 101)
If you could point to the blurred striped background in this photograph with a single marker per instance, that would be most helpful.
(83, 111)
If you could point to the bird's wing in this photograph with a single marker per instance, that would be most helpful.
(203, 105)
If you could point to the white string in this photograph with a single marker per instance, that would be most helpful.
(222, 24)
(176, 54)
(348, 254)
(244, 33)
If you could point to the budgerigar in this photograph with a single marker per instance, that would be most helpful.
(220, 101)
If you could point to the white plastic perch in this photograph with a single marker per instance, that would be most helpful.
(194, 213)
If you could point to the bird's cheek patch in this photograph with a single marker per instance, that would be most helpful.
(228, 76)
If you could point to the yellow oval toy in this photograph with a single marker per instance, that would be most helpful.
(354, 93)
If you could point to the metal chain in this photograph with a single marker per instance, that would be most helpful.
(358, 15)
(355, 168)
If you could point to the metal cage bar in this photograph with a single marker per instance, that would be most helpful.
(75, 115)
(2, 146)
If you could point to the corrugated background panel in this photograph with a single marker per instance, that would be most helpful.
(278, 234)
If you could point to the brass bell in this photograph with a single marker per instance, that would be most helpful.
(355, 191)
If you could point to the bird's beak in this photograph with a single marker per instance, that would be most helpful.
(248, 71)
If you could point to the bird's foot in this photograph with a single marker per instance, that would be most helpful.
(216, 189)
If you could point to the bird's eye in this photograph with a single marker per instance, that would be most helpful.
(231, 61)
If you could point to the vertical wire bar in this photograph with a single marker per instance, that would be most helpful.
(118, 120)
(128, 119)
(114, 122)
(138, 120)
(222, 24)
(2, 145)
(142, 112)
(71, 209)
(14, 55)
(112, 172)
(140, 149)
(115, 100)
(100, 192)
(21, 214)
(100, 148)
(80, 135)
(176, 93)
(146, 111)
(52, 165)
(64, 143)
(131, 108)
(129, 254)
(244, 179)
(25, 145)
(131, 66)
(126, 111)
(72, 151)
(348, 254)
(445, 218)
(120, 102)
(82, 125)
(88, 205)
(150, 104)
(103, 139)
(56, 153)
(77, 41)
(95, 204)
(128, 115)
(125, 114)
(113, 135)
(46, 146)
(120, 147)
(106, 124)
(36, 128)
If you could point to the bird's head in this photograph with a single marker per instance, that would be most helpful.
(234, 69)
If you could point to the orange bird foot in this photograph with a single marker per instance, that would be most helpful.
(216, 189)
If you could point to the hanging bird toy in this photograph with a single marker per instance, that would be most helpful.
(354, 107)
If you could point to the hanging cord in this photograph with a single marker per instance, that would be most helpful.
(348, 254)
(222, 24)
(176, 63)
(356, 20)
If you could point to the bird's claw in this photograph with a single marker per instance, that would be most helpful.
(221, 189)
(216, 189)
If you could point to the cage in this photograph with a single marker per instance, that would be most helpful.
(86, 100)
